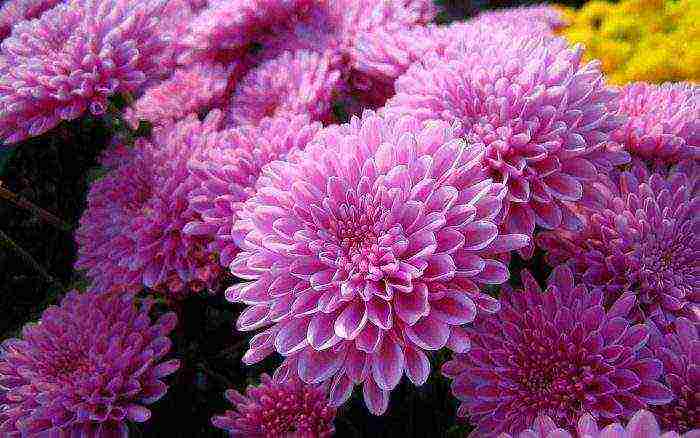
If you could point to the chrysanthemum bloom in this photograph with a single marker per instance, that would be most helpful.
(543, 117)
(662, 121)
(278, 409)
(679, 350)
(643, 238)
(641, 425)
(557, 353)
(224, 27)
(16, 11)
(295, 83)
(226, 173)
(367, 249)
(192, 89)
(72, 59)
(131, 232)
(93, 362)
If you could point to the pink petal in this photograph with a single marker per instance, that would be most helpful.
(479, 235)
(643, 425)
(412, 306)
(454, 308)
(417, 365)
(494, 273)
(351, 321)
(292, 336)
(388, 364)
(376, 399)
(317, 366)
(564, 186)
(429, 333)
(379, 313)
(341, 389)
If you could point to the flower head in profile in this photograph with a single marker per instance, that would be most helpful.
(92, 364)
(226, 173)
(367, 250)
(559, 353)
(278, 409)
(542, 116)
(679, 350)
(643, 424)
(131, 232)
(72, 59)
(643, 237)
(662, 121)
(302, 82)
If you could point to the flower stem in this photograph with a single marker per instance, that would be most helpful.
(6, 241)
(38, 211)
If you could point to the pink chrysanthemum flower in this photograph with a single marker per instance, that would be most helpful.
(93, 363)
(225, 27)
(294, 83)
(16, 11)
(662, 121)
(192, 89)
(131, 232)
(366, 250)
(278, 409)
(679, 350)
(72, 59)
(644, 237)
(557, 353)
(227, 172)
(541, 115)
(641, 425)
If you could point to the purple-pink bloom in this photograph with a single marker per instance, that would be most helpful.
(94, 362)
(557, 353)
(16, 11)
(131, 235)
(662, 121)
(679, 350)
(542, 116)
(641, 425)
(191, 89)
(294, 83)
(366, 250)
(224, 28)
(227, 171)
(643, 237)
(72, 59)
(278, 409)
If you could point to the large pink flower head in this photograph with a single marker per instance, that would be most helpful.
(131, 232)
(644, 237)
(192, 89)
(278, 409)
(72, 59)
(662, 121)
(642, 425)
(367, 249)
(93, 363)
(679, 350)
(557, 353)
(543, 117)
(16, 11)
(294, 83)
(227, 171)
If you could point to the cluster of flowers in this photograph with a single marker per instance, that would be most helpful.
(362, 247)
(640, 40)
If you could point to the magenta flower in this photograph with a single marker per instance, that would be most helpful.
(679, 350)
(278, 409)
(72, 59)
(294, 83)
(16, 11)
(93, 363)
(641, 425)
(131, 232)
(224, 28)
(663, 121)
(557, 353)
(227, 171)
(366, 250)
(541, 115)
(642, 238)
(189, 90)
